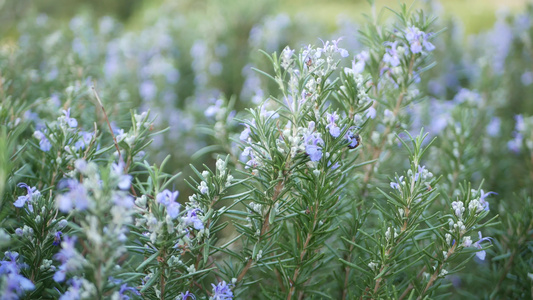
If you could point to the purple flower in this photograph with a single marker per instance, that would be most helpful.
(483, 201)
(334, 130)
(124, 180)
(125, 288)
(44, 142)
(65, 255)
(516, 143)
(10, 266)
(123, 200)
(70, 121)
(391, 55)
(418, 39)
(359, 62)
(84, 139)
(168, 199)
(520, 124)
(31, 191)
(73, 292)
(371, 112)
(396, 185)
(493, 128)
(245, 133)
(148, 90)
(342, 51)
(481, 254)
(75, 198)
(14, 284)
(173, 210)
(186, 295)
(312, 142)
(213, 109)
(222, 291)
(192, 219)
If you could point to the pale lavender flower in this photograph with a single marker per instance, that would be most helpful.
(343, 52)
(527, 78)
(245, 134)
(44, 142)
(520, 124)
(396, 185)
(359, 62)
(124, 288)
(268, 113)
(413, 34)
(148, 90)
(192, 219)
(222, 291)
(484, 202)
(31, 192)
(371, 112)
(67, 252)
(73, 292)
(334, 130)
(73, 123)
(418, 39)
(187, 295)
(14, 284)
(214, 109)
(312, 142)
(84, 140)
(173, 210)
(123, 200)
(124, 180)
(493, 128)
(391, 54)
(10, 266)
(75, 198)
(168, 199)
(481, 254)
(466, 95)
(516, 143)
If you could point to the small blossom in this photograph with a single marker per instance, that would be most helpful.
(221, 291)
(75, 198)
(68, 257)
(481, 254)
(396, 185)
(484, 202)
(70, 121)
(187, 295)
(124, 288)
(334, 130)
(391, 55)
(166, 197)
(467, 241)
(192, 219)
(31, 192)
(203, 187)
(371, 112)
(44, 142)
(124, 180)
(458, 208)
